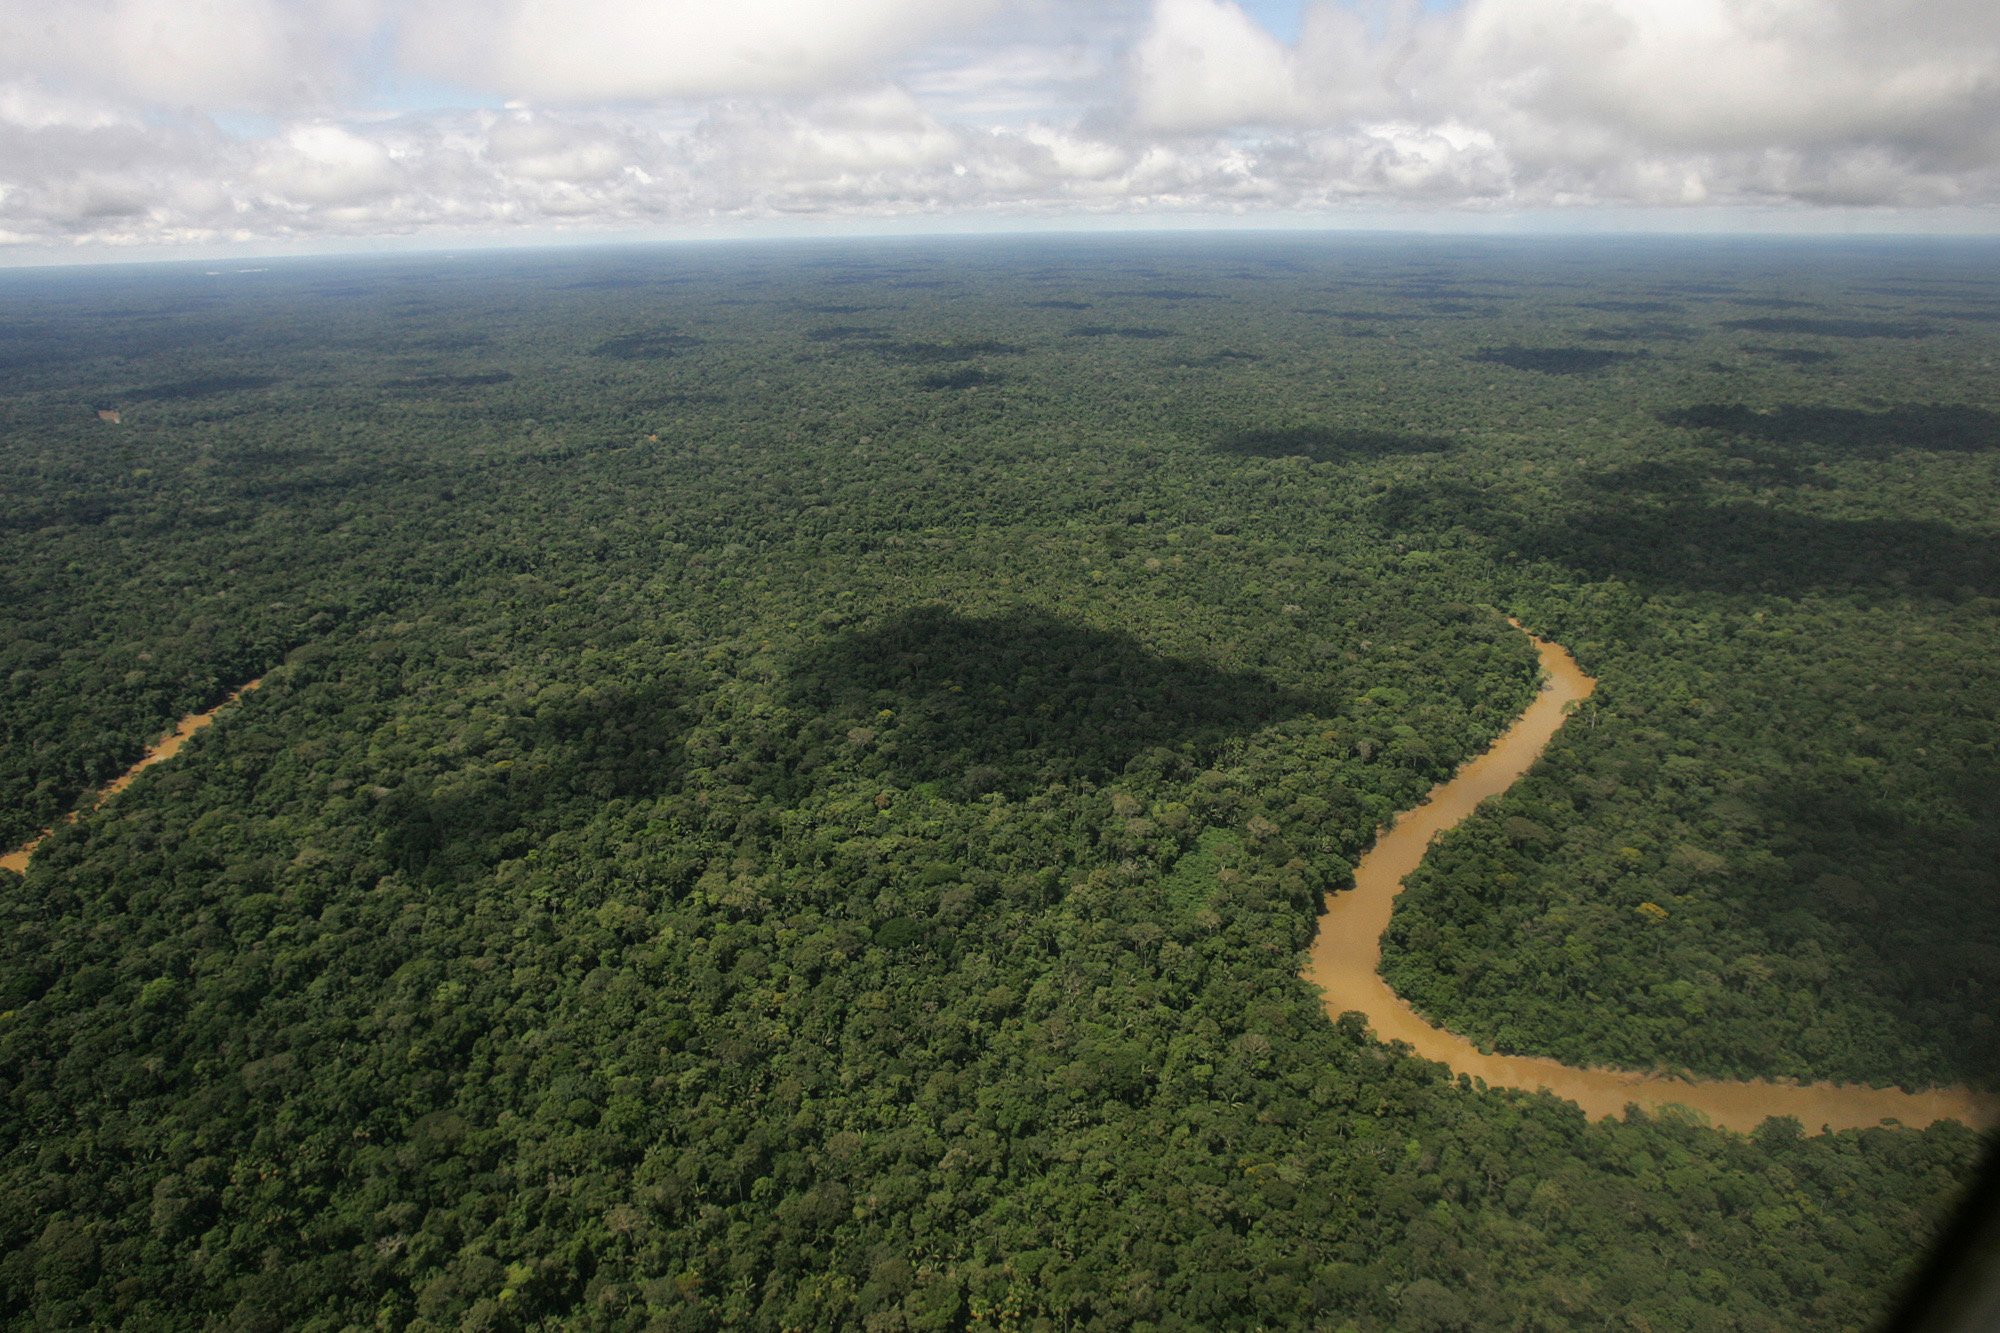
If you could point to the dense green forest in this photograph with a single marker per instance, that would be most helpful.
(791, 780)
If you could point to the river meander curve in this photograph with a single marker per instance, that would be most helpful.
(1346, 958)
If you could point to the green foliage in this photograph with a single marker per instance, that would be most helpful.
(759, 821)
(1197, 875)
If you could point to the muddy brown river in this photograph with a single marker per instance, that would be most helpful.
(165, 748)
(1347, 955)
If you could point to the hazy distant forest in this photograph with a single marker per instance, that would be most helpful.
(790, 781)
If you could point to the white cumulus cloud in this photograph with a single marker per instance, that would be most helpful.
(328, 164)
(209, 54)
(597, 50)
(1728, 74)
(1653, 102)
(1206, 64)
(129, 121)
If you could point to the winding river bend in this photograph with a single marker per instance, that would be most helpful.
(1347, 955)
(166, 747)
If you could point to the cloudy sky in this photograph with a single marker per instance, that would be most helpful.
(271, 124)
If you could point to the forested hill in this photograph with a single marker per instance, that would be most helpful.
(791, 780)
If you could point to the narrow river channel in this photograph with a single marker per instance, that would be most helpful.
(1347, 956)
(166, 747)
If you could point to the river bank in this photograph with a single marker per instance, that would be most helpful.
(1346, 958)
(165, 748)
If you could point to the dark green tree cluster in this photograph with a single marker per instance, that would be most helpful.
(791, 783)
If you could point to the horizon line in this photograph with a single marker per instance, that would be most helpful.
(1542, 227)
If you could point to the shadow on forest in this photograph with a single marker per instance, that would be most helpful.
(944, 353)
(1017, 701)
(1553, 360)
(1946, 426)
(124, 336)
(1632, 307)
(1328, 444)
(450, 342)
(84, 511)
(296, 485)
(1743, 547)
(571, 760)
(968, 377)
(1361, 316)
(1648, 524)
(1117, 331)
(1650, 476)
(1433, 291)
(1668, 524)
(845, 333)
(420, 385)
(1763, 469)
(1794, 356)
(1829, 328)
(1653, 332)
(1216, 360)
(646, 345)
(207, 386)
(679, 398)
(1767, 302)
(1936, 935)
(1166, 294)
